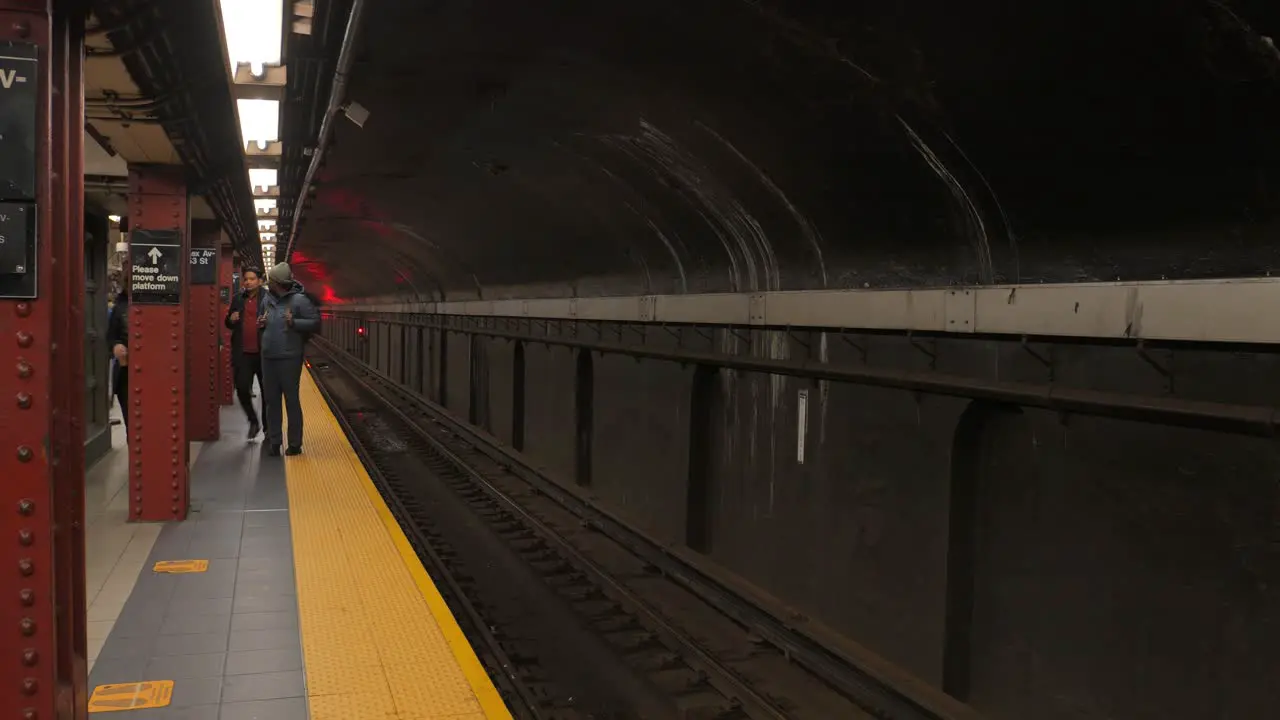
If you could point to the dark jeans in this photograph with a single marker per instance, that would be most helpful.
(120, 387)
(249, 366)
(282, 378)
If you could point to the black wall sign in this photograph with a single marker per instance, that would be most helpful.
(17, 250)
(156, 275)
(19, 95)
(19, 99)
(204, 266)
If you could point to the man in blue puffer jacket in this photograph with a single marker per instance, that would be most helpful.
(288, 320)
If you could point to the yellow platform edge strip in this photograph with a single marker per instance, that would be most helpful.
(468, 662)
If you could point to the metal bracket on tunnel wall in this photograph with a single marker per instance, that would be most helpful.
(1165, 367)
(1045, 358)
(647, 307)
(930, 350)
(852, 342)
(756, 310)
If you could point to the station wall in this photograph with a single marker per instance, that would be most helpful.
(1036, 565)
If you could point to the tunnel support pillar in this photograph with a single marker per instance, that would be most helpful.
(226, 269)
(42, 631)
(203, 332)
(158, 450)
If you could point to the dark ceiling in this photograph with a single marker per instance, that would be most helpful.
(586, 147)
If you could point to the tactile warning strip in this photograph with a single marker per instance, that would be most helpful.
(378, 640)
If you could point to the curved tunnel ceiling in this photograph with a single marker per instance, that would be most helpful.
(588, 148)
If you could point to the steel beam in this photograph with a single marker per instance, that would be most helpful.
(69, 426)
(204, 328)
(42, 631)
(157, 356)
(1255, 420)
(1207, 311)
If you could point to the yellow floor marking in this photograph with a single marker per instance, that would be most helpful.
(378, 640)
(181, 566)
(131, 696)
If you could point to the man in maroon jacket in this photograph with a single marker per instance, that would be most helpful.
(246, 343)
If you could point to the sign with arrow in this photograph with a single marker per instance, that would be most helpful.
(156, 274)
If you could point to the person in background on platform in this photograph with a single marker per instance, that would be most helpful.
(118, 341)
(246, 347)
(287, 320)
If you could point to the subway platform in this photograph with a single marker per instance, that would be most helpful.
(289, 592)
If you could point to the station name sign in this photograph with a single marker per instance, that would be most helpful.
(204, 266)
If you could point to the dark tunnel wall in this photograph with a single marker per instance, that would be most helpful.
(578, 147)
(1036, 565)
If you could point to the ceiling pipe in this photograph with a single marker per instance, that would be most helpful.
(336, 96)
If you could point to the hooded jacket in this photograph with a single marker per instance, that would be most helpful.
(279, 340)
(244, 324)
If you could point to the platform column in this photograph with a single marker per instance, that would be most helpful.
(203, 331)
(159, 244)
(226, 268)
(42, 641)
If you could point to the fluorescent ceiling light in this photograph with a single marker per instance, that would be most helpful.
(253, 30)
(114, 218)
(264, 204)
(259, 121)
(264, 178)
(266, 226)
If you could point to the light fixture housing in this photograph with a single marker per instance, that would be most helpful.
(356, 113)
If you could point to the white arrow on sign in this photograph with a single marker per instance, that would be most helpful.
(154, 255)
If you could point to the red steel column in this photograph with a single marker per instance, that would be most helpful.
(226, 267)
(157, 355)
(203, 331)
(42, 641)
(68, 365)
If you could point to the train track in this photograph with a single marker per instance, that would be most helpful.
(694, 649)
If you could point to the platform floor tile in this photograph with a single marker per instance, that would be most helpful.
(377, 638)
(115, 549)
(227, 637)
